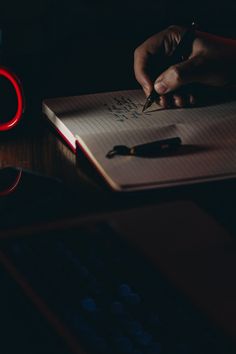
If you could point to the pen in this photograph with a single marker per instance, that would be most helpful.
(156, 147)
(181, 52)
(153, 148)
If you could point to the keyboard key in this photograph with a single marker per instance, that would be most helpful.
(124, 290)
(89, 304)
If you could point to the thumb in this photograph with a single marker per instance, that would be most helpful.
(180, 74)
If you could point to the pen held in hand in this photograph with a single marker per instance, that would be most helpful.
(181, 53)
(150, 99)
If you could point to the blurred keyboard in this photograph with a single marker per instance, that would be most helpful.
(111, 298)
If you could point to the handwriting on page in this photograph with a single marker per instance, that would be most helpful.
(123, 108)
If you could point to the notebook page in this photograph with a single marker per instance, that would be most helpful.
(208, 135)
(122, 110)
(105, 112)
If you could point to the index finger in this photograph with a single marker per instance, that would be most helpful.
(141, 57)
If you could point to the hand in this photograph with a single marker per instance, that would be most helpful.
(212, 62)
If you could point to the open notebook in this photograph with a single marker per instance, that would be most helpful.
(97, 122)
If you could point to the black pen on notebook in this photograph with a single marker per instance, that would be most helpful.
(181, 52)
(158, 147)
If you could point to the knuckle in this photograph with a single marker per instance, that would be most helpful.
(137, 76)
(176, 73)
(175, 29)
(172, 28)
(178, 100)
(137, 52)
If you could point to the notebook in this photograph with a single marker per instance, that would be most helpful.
(97, 122)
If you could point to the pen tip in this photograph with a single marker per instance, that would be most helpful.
(145, 107)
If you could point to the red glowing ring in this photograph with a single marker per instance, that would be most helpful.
(20, 100)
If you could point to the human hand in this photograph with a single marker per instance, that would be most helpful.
(211, 62)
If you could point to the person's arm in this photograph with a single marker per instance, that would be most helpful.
(212, 62)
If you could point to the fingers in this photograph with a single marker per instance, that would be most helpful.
(177, 100)
(191, 70)
(140, 69)
(151, 56)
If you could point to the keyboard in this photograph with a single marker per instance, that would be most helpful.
(109, 297)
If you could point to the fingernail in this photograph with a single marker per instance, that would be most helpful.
(161, 87)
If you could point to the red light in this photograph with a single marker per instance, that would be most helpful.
(13, 186)
(19, 95)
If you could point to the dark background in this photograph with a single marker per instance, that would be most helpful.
(65, 47)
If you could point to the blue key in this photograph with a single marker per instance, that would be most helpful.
(124, 290)
(89, 304)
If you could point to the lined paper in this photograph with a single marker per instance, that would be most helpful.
(101, 121)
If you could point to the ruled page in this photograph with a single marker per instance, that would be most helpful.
(107, 119)
(209, 150)
(102, 112)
